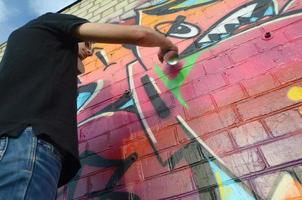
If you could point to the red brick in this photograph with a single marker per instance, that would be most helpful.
(165, 138)
(274, 57)
(152, 167)
(142, 147)
(285, 122)
(294, 46)
(133, 174)
(227, 117)
(243, 51)
(162, 185)
(98, 182)
(121, 118)
(250, 68)
(291, 52)
(217, 64)
(114, 154)
(289, 72)
(98, 144)
(228, 95)
(187, 92)
(198, 107)
(95, 128)
(205, 84)
(219, 143)
(213, 122)
(259, 84)
(244, 162)
(171, 120)
(250, 133)
(278, 38)
(283, 151)
(293, 30)
(120, 136)
(265, 104)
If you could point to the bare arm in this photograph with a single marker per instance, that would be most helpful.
(128, 34)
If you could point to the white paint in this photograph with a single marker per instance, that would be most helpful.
(288, 5)
(138, 107)
(155, 85)
(195, 136)
(286, 188)
(107, 114)
(232, 19)
(193, 31)
(205, 39)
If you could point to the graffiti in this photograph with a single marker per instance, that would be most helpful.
(87, 93)
(295, 93)
(154, 97)
(178, 5)
(179, 28)
(154, 132)
(121, 168)
(226, 27)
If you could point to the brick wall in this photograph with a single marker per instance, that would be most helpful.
(103, 10)
(224, 124)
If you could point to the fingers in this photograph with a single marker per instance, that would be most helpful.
(165, 49)
(160, 57)
(84, 53)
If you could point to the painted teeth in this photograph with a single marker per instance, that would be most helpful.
(229, 24)
(226, 27)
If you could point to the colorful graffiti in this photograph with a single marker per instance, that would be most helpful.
(223, 125)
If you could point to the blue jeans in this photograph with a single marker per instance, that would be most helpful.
(29, 168)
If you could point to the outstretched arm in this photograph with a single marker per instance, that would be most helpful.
(127, 34)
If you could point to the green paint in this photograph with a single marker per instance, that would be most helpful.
(175, 84)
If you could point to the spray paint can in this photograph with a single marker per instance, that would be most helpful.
(172, 58)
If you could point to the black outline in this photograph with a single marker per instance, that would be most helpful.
(165, 8)
(174, 26)
(159, 105)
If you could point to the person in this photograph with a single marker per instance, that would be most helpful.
(38, 86)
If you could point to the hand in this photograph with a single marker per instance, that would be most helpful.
(84, 50)
(164, 49)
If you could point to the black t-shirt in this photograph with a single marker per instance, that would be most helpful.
(38, 85)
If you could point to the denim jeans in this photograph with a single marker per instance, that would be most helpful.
(29, 168)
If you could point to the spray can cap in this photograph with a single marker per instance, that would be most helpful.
(172, 58)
